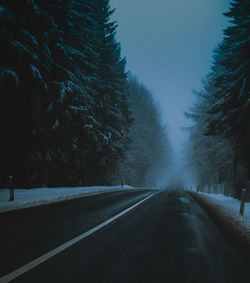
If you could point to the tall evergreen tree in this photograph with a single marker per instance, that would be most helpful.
(26, 64)
(230, 112)
(114, 113)
(74, 78)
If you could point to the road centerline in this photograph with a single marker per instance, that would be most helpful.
(32, 264)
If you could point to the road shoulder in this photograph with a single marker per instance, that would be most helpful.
(238, 234)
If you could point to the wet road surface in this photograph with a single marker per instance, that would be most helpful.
(167, 238)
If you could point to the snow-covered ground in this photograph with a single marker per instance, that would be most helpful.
(34, 197)
(230, 207)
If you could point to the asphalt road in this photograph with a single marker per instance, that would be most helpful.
(167, 238)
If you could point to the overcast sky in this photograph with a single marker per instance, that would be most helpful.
(168, 45)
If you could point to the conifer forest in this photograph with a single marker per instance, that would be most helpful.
(219, 144)
(66, 112)
(73, 115)
(125, 141)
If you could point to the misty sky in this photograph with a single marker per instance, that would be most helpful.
(168, 45)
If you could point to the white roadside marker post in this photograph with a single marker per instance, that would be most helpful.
(243, 199)
(11, 188)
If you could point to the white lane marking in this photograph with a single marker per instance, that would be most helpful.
(25, 268)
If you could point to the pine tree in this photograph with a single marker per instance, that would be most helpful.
(114, 114)
(25, 70)
(73, 77)
(230, 112)
(99, 107)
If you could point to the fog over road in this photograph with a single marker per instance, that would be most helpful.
(167, 238)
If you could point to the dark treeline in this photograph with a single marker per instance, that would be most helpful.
(63, 92)
(220, 139)
(65, 110)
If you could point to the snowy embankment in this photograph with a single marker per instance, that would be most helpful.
(34, 197)
(225, 212)
(231, 207)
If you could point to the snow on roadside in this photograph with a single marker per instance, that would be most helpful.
(231, 208)
(34, 197)
(224, 211)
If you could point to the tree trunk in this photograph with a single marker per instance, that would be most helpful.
(236, 189)
(248, 179)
